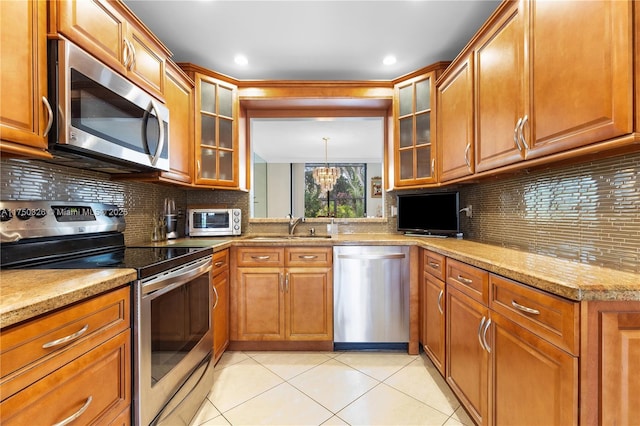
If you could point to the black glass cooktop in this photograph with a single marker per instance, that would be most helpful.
(146, 260)
(102, 251)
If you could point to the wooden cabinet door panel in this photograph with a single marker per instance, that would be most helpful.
(533, 381)
(97, 27)
(620, 368)
(500, 83)
(147, 66)
(220, 314)
(434, 320)
(102, 374)
(467, 363)
(179, 100)
(260, 304)
(455, 123)
(23, 77)
(310, 304)
(581, 73)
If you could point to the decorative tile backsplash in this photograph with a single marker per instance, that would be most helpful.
(36, 180)
(588, 213)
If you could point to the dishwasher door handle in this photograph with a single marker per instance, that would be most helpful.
(372, 256)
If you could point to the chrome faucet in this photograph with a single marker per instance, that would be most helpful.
(293, 222)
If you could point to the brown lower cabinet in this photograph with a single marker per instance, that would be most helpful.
(74, 363)
(517, 355)
(432, 308)
(609, 368)
(514, 360)
(220, 283)
(282, 295)
(533, 381)
(467, 362)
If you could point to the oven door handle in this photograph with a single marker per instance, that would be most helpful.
(177, 277)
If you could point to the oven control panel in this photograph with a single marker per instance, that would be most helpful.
(33, 219)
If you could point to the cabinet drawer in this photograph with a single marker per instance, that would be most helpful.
(260, 256)
(309, 256)
(471, 280)
(434, 264)
(55, 334)
(98, 381)
(220, 261)
(550, 317)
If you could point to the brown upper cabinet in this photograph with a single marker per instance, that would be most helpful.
(551, 77)
(113, 34)
(179, 90)
(25, 113)
(548, 80)
(216, 129)
(455, 121)
(414, 135)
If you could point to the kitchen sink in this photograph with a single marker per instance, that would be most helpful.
(287, 237)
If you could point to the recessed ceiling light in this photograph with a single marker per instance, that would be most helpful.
(241, 60)
(389, 60)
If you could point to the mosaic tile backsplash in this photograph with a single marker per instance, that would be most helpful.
(587, 213)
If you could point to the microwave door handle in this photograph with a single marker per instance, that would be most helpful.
(153, 108)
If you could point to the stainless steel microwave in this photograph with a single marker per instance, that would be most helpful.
(214, 222)
(103, 121)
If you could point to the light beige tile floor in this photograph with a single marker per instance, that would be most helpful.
(329, 388)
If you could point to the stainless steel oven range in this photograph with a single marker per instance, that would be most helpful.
(172, 296)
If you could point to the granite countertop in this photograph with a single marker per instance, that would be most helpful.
(26, 294)
(576, 281)
(569, 279)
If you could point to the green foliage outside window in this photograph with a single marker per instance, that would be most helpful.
(346, 199)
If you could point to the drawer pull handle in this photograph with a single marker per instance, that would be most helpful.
(76, 414)
(524, 308)
(266, 257)
(464, 280)
(215, 291)
(480, 331)
(440, 302)
(66, 339)
(434, 265)
(308, 256)
(218, 264)
(484, 335)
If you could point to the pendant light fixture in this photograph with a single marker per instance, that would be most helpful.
(325, 176)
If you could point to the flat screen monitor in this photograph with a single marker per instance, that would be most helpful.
(435, 213)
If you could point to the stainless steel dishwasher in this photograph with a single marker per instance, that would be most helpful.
(371, 297)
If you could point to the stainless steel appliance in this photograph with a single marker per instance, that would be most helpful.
(203, 222)
(371, 297)
(172, 321)
(103, 121)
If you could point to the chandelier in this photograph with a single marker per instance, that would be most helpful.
(325, 176)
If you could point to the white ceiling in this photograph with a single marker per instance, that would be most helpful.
(314, 40)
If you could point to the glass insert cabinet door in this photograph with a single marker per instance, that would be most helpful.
(216, 145)
(414, 153)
